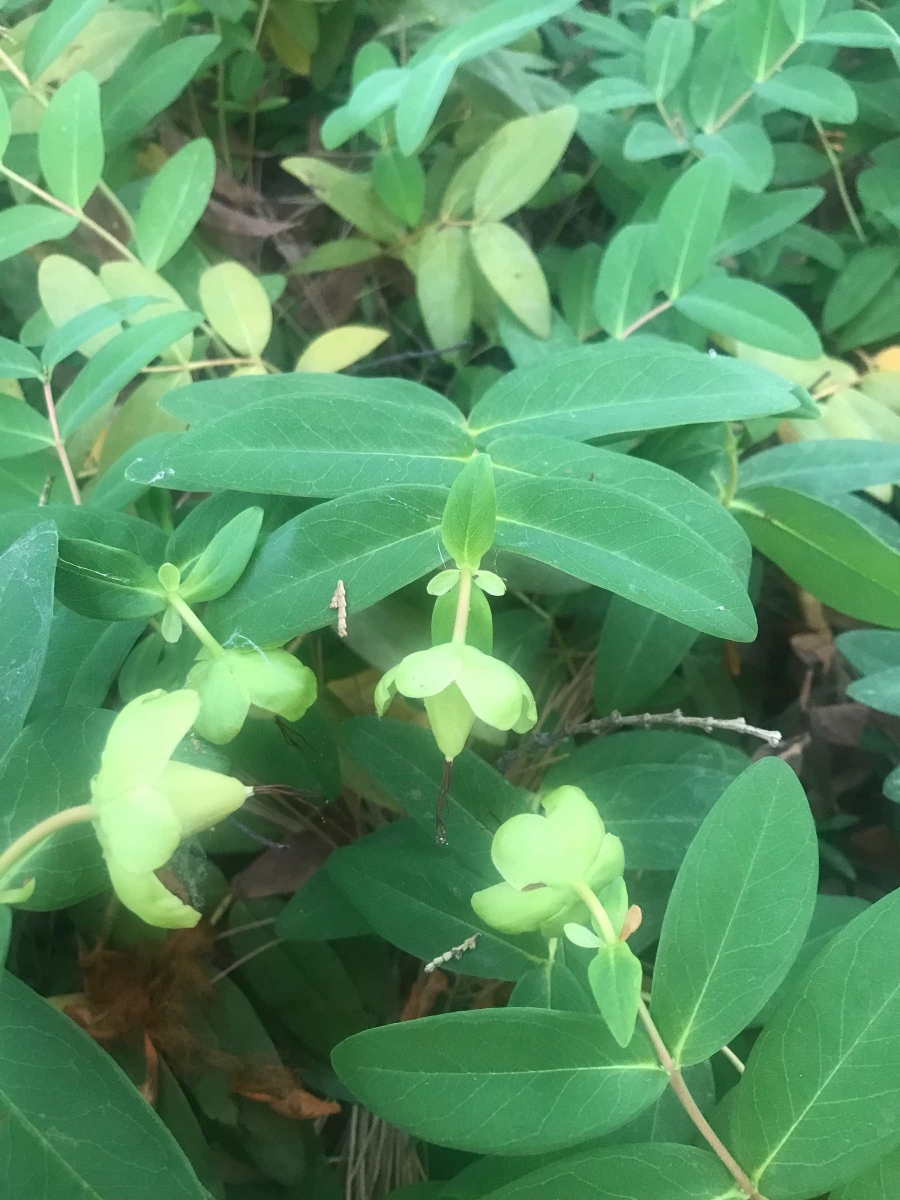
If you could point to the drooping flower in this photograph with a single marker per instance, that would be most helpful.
(459, 683)
(542, 858)
(257, 682)
(147, 805)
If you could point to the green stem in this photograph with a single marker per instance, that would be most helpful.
(840, 182)
(731, 450)
(59, 444)
(462, 605)
(38, 833)
(195, 625)
(598, 912)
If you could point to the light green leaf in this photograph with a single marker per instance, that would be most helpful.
(739, 912)
(756, 314)
(84, 330)
(49, 768)
(606, 95)
(476, 1069)
(763, 36)
(417, 897)
(577, 285)
(101, 581)
(626, 283)
(307, 441)
(224, 560)
(855, 27)
(22, 430)
(54, 30)
(136, 94)
(637, 652)
(647, 140)
(331, 256)
(426, 86)
(129, 279)
(689, 224)
(646, 384)
(237, 307)
(510, 267)
(468, 523)
(24, 225)
(444, 284)
(802, 16)
(878, 320)
(27, 569)
(865, 276)
(812, 91)
(870, 650)
(400, 183)
(70, 141)
(667, 53)
(826, 467)
(111, 1143)
(751, 220)
(376, 542)
(881, 691)
(824, 1071)
(826, 551)
(5, 126)
(629, 544)
(16, 362)
(67, 289)
(174, 202)
(350, 196)
(117, 363)
(615, 976)
(746, 148)
(551, 986)
(519, 159)
(370, 99)
(717, 79)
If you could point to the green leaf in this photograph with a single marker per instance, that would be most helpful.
(79, 331)
(320, 912)
(755, 314)
(746, 148)
(331, 256)
(717, 79)
(108, 1144)
(16, 362)
(802, 16)
(551, 986)
(404, 760)
(577, 285)
(426, 86)
(376, 542)
(101, 581)
(306, 440)
(876, 1183)
(826, 551)
(510, 267)
(351, 196)
(751, 220)
(370, 99)
(626, 282)
(647, 746)
(22, 430)
(637, 652)
(865, 276)
(615, 976)
(878, 320)
(174, 202)
(629, 544)
(870, 650)
(763, 37)
(824, 1071)
(48, 769)
(739, 912)
(237, 307)
(606, 95)
(117, 363)
(417, 897)
(826, 467)
(647, 384)
(224, 560)
(70, 141)
(689, 224)
(655, 808)
(647, 140)
(137, 93)
(469, 520)
(54, 30)
(24, 225)
(632, 1172)
(5, 126)
(812, 91)
(667, 53)
(855, 27)
(26, 607)
(400, 184)
(477, 1068)
(444, 284)
(881, 691)
(519, 160)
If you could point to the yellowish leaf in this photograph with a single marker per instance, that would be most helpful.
(340, 348)
(290, 53)
(237, 307)
(68, 288)
(125, 279)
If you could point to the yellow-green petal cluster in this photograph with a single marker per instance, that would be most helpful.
(459, 683)
(542, 859)
(146, 804)
(255, 681)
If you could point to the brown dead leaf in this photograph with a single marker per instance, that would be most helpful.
(423, 996)
(297, 1105)
(839, 724)
(279, 872)
(223, 217)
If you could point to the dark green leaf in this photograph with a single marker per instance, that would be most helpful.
(469, 520)
(751, 220)
(755, 314)
(320, 912)
(551, 986)
(739, 912)
(626, 283)
(876, 1183)
(605, 95)
(881, 691)
(689, 224)
(802, 16)
(26, 606)
(400, 184)
(495, 1080)
(825, 466)
(812, 91)
(22, 430)
(101, 581)
(763, 37)
(746, 148)
(645, 746)
(647, 140)
(870, 650)
(75, 333)
(864, 277)
(16, 362)
(637, 652)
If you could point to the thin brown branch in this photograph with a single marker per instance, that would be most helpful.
(59, 445)
(648, 316)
